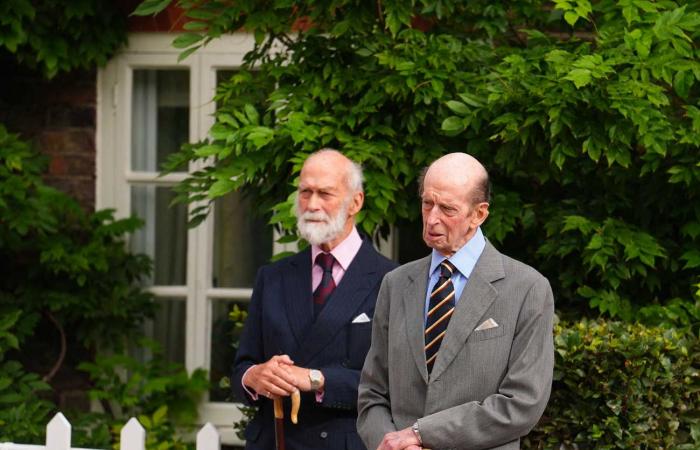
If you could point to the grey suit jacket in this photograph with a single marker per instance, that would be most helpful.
(487, 388)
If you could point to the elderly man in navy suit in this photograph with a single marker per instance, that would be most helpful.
(310, 317)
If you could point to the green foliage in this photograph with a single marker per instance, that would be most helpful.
(584, 113)
(54, 36)
(161, 395)
(19, 419)
(23, 415)
(63, 263)
(69, 273)
(595, 136)
(130, 388)
(621, 386)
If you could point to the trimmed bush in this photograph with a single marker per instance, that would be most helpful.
(622, 386)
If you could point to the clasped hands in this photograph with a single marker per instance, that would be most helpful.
(278, 377)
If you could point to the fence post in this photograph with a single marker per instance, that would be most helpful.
(133, 436)
(58, 433)
(208, 438)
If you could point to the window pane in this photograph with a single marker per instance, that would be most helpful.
(160, 116)
(242, 242)
(225, 332)
(164, 234)
(168, 329)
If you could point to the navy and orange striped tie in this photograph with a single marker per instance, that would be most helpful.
(327, 285)
(440, 309)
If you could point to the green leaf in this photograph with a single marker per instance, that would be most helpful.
(571, 17)
(458, 107)
(221, 187)
(187, 40)
(580, 77)
(452, 123)
(150, 7)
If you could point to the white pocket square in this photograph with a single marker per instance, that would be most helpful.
(362, 318)
(486, 325)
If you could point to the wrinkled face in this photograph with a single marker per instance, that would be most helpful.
(449, 220)
(325, 206)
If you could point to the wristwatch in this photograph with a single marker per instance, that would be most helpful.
(416, 431)
(315, 377)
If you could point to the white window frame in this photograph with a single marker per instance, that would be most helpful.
(114, 178)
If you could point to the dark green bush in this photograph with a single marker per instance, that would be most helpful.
(160, 394)
(622, 386)
(20, 419)
(69, 295)
(56, 36)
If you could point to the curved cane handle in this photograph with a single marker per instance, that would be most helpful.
(296, 402)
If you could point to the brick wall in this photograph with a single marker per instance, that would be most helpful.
(58, 117)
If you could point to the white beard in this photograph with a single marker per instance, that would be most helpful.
(317, 233)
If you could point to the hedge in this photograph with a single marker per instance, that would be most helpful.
(619, 385)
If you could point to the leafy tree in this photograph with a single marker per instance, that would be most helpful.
(585, 114)
(69, 295)
(54, 36)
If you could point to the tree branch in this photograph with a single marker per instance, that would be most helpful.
(62, 354)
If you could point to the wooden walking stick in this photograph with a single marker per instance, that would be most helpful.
(279, 417)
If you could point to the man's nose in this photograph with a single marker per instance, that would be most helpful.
(313, 204)
(433, 216)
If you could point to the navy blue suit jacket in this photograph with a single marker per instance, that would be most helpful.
(280, 321)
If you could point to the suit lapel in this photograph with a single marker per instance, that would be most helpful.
(477, 297)
(414, 304)
(297, 294)
(345, 301)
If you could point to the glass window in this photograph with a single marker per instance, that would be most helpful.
(160, 116)
(227, 323)
(242, 242)
(167, 329)
(164, 234)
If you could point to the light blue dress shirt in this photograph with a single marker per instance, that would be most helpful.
(464, 260)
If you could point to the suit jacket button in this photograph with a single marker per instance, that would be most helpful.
(324, 435)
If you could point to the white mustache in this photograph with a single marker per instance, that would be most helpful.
(320, 215)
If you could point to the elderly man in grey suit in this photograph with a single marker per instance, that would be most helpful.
(462, 353)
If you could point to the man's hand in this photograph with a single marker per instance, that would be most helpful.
(301, 375)
(272, 378)
(400, 440)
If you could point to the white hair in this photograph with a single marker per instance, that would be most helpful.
(354, 178)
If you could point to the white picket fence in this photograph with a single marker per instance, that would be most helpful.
(133, 437)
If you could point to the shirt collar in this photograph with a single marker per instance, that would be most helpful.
(465, 258)
(344, 252)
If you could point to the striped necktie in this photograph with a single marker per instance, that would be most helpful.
(440, 309)
(327, 285)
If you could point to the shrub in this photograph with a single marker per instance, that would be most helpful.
(70, 288)
(19, 419)
(621, 386)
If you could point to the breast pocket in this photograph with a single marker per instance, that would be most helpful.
(359, 339)
(491, 333)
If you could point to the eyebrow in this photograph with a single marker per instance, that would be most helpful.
(317, 188)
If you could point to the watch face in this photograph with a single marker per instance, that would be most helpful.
(315, 376)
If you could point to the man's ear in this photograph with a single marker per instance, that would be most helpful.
(481, 212)
(358, 199)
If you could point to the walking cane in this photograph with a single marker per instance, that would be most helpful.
(279, 418)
